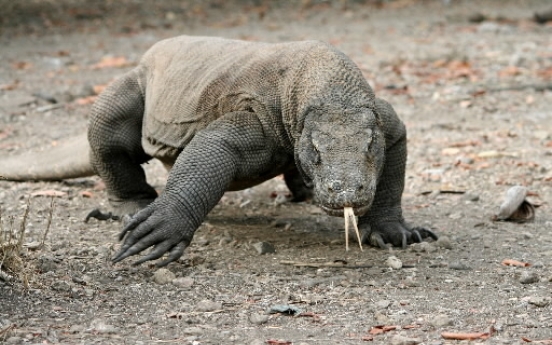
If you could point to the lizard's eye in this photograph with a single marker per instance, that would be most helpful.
(368, 144)
(315, 152)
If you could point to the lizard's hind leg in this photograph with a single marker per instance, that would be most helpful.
(115, 133)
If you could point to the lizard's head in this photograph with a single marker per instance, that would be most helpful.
(341, 154)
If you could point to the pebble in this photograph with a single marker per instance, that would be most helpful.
(46, 264)
(13, 340)
(383, 304)
(193, 331)
(422, 247)
(469, 196)
(257, 342)
(400, 340)
(207, 306)
(440, 320)
(163, 276)
(264, 248)
(460, 266)
(258, 319)
(394, 262)
(202, 241)
(98, 326)
(528, 277)
(381, 319)
(61, 285)
(539, 301)
(443, 242)
(183, 282)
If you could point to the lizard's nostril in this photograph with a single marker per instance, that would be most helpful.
(335, 186)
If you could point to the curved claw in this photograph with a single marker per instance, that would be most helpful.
(377, 241)
(417, 238)
(135, 221)
(175, 253)
(425, 233)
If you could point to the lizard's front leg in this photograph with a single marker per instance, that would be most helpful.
(231, 148)
(384, 223)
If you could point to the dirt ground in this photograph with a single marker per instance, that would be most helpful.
(475, 93)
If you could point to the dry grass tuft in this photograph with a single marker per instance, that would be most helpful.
(13, 266)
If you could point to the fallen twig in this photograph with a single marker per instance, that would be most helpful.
(334, 264)
(512, 262)
(469, 336)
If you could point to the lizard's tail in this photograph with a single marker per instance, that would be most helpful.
(68, 160)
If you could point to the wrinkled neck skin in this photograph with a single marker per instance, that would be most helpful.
(341, 153)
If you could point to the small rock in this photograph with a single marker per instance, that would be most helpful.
(444, 242)
(163, 276)
(183, 282)
(61, 285)
(193, 331)
(541, 135)
(423, 247)
(207, 306)
(99, 326)
(46, 264)
(400, 340)
(383, 304)
(257, 342)
(440, 320)
(469, 196)
(538, 264)
(539, 301)
(460, 266)
(258, 319)
(14, 340)
(202, 241)
(394, 262)
(264, 248)
(225, 240)
(381, 319)
(528, 277)
(527, 235)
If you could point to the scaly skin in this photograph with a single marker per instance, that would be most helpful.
(226, 115)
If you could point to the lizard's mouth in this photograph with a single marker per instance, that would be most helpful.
(338, 212)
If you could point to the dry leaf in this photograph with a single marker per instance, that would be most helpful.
(509, 71)
(511, 262)
(86, 100)
(112, 62)
(49, 192)
(382, 329)
(544, 341)
(469, 336)
(21, 65)
(99, 88)
(278, 342)
(86, 194)
(10, 86)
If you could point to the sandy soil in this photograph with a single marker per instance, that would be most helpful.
(471, 95)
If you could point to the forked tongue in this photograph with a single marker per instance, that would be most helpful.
(349, 215)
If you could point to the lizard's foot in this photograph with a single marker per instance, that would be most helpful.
(158, 227)
(395, 233)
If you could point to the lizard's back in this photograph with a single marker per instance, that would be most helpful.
(192, 81)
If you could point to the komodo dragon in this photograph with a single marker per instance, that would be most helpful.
(226, 115)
